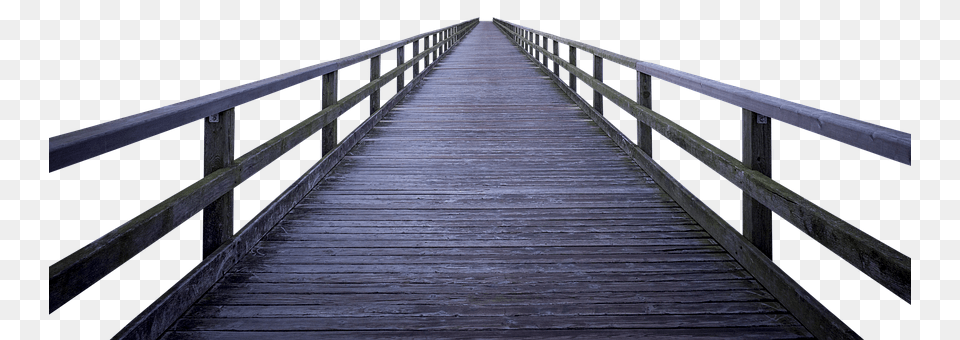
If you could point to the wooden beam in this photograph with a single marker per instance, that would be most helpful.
(645, 99)
(374, 74)
(813, 315)
(416, 50)
(886, 142)
(598, 76)
(556, 52)
(77, 146)
(400, 83)
(573, 61)
(757, 219)
(218, 140)
(884, 264)
(329, 136)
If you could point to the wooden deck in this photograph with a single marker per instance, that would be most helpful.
(487, 204)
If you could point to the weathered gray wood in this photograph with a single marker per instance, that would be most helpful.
(598, 75)
(816, 318)
(218, 140)
(153, 321)
(886, 142)
(74, 147)
(434, 44)
(416, 51)
(400, 83)
(757, 219)
(645, 99)
(884, 264)
(556, 52)
(536, 51)
(426, 46)
(83, 268)
(573, 62)
(375, 73)
(329, 134)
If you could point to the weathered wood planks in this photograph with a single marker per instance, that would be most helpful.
(485, 205)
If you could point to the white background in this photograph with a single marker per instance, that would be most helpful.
(73, 64)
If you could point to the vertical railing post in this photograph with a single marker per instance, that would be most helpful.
(545, 50)
(426, 46)
(218, 136)
(536, 41)
(757, 219)
(329, 133)
(556, 52)
(374, 74)
(598, 75)
(434, 44)
(416, 51)
(573, 62)
(645, 99)
(400, 83)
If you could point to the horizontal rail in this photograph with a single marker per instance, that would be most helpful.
(77, 146)
(870, 137)
(884, 264)
(80, 270)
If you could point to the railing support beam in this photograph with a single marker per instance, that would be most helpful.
(374, 74)
(757, 219)
(329, 133)
(645, 99)
(598, 75)
(416, 51)
(573, 62)
(556, 52)
(218, 140)
(400, 83)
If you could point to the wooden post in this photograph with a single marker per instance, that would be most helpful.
(218, 136)
(374, 74)
(416, 51)
(545, 50)
(556, 52)
(400, 83)
(645, 99)
(598, 75)
(536, 41)
(329, 132)
(426, 46)
(434, 44)
(573, 62)
(757, 219)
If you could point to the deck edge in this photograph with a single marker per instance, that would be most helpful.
(162, 313)
(816, 318)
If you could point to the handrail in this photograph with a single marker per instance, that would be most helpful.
(870, 137)
(77, 146)
(78, 271)
(884, 264)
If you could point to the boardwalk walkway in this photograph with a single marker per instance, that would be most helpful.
(487, 205)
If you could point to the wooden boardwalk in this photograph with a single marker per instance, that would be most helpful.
(486, 204)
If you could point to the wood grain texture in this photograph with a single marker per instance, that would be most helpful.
(820, 321)
(886, 142)
(456, 217)
(218, 140)
(77, 146)
(878, 260)
(756, 151)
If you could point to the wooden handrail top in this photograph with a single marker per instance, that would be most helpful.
(77, 146)
(883, 141)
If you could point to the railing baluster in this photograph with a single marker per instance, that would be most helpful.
(374, 74)
(218, 140)
(329, 133)
(434, 44)
(426, 46)
(536, 52)
(556, 52)
(400, 83)
(598, 75)
(545, 50)
(645, 99)
(416, 51)
(757, 219)
(573, 62)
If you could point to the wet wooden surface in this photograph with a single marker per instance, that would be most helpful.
(488, 205)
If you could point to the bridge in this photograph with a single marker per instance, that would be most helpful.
(485, 199)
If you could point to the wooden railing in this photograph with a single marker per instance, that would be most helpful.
(761, 194)
(222, 172)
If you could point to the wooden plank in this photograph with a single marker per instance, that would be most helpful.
(400, 83)
(598, 76)
(764, 333)
(154, 320)
(645, 99)
(218, 137)
(74, 147)
(881, 262)
(757, 219)
(813, 315)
